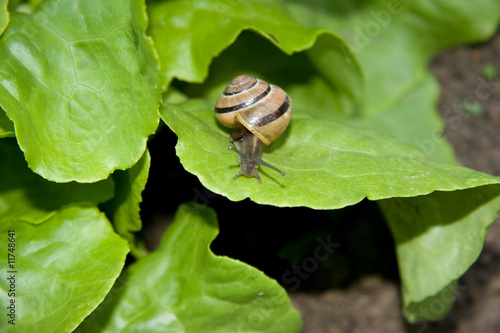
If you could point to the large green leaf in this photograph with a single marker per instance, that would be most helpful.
(6, 126)
(184, 287)
(330, 160)
(123, 209)
(393, 41)
(28, 197)
(436, 241)
(80, 81)
(63, 269)
(188, 34)
(4, 15)
(327, 164)
(327, 94)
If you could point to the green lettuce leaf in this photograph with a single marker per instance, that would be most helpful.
(4, 15)
(63, 268)
(338, 166)
(438, 237)
(393, 41)
(123, 209)
(330, 156)
(28, 197)
(6, 126)
(189, 34)
(80, 82)
(184, 287)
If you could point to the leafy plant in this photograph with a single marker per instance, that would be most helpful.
(489, 71)
(472, 107)
(83, 87)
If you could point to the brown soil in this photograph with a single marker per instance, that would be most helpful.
(372, 304)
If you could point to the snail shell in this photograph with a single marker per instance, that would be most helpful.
(253, 107)
(262, 108)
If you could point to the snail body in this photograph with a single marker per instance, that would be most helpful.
(259, 112)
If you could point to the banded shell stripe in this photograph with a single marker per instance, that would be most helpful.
(227, 93)
(245, 104)
(276, 114)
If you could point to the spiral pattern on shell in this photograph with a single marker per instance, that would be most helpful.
(264, 109)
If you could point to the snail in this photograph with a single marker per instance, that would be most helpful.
(259, 112)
